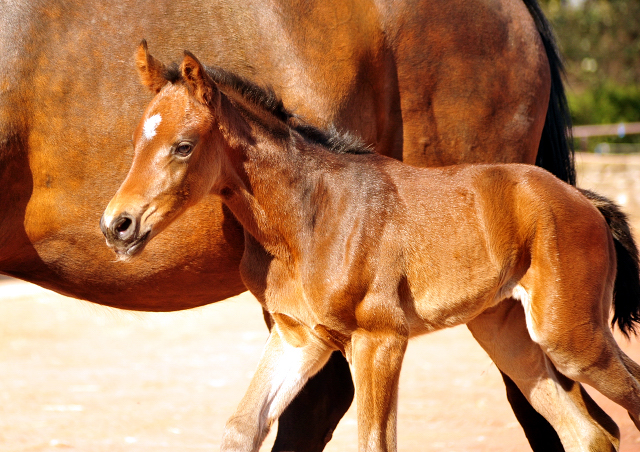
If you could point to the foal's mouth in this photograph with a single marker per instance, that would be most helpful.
(126, 252)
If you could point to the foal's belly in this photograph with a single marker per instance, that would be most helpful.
(453, 298)
(435, 314)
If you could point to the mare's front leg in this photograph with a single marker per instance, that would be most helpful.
(290, 357)
(307, 424)
(376, 357)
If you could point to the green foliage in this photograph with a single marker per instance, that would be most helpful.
(600, 41)
(605, 103)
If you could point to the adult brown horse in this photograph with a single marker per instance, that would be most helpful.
(352, 251)
(430, 82)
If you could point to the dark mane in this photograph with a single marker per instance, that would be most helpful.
(265, 98)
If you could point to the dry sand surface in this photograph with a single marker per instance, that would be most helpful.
(76, 376)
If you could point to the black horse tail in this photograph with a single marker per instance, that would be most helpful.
(626, 292)
(555, 151)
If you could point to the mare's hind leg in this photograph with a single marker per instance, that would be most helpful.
(578, 420)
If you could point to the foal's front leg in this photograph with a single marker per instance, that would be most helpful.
(289, 359)
(377, 358)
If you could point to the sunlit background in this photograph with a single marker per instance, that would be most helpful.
(600, 42)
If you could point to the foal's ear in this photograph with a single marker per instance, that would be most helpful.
(195, 76)
(151, 71)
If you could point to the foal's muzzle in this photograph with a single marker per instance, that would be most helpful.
(123, 234)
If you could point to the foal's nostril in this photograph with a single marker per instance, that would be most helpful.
(121, 229)
(123, 225)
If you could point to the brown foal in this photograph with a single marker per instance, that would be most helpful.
(352, 251)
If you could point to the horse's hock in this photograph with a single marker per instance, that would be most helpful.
(614, 176)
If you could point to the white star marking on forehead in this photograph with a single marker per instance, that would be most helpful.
(150, 126)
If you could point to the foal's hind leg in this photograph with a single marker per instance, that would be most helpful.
(601, 364)
(572, 329)
(578, 420)
(634, 369)
(569, 292)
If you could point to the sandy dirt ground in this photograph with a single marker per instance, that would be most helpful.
(80, 377)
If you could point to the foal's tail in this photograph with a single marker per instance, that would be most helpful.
(626, 295)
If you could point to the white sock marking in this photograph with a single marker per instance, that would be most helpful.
(293, 369)
(150, 126)
(287, 377)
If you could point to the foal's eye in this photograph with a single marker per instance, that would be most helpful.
(183, 149)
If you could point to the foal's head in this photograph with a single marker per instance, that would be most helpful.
(179, 151)
(187, 144)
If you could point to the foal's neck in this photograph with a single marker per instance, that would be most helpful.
(270, 201)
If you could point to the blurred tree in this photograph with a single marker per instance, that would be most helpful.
(600, 41)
